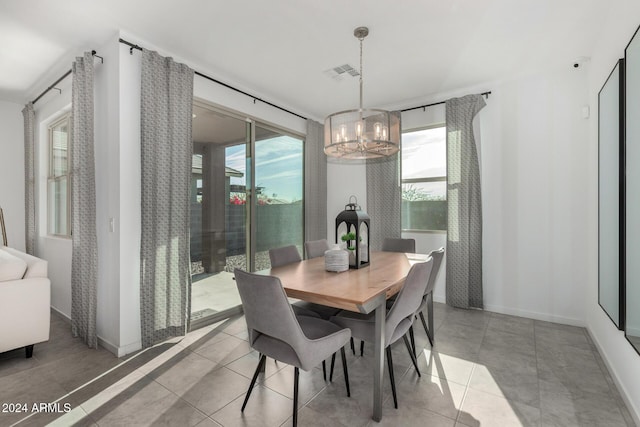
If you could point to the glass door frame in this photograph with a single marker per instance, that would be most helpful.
(251, 196)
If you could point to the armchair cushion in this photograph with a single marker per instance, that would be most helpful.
(11, 267)
(36, 267)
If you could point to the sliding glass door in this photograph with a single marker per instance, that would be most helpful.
(278, 214)
(246, 198)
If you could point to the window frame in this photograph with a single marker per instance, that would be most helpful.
(426, 179)
(51, 178)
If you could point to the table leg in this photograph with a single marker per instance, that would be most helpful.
(378, 366)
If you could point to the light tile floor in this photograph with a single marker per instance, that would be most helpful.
(486, 369)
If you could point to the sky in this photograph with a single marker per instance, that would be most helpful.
(424, 153)
(279, 161)
(278, 166)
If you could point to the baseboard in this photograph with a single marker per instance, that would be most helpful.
(528, 314)
(112, 348)
(119, 351)
(633, 410)
(61, 314)
(633, 332)
(546, 317)
(129, 348)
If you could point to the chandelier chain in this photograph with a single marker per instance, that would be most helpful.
(361, 84)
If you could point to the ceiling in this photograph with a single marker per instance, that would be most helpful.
(279, 50)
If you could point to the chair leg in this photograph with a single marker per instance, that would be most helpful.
(413, 357)
(392, 377)
(324, 370)
(361, 348)
(344, 368)
(263, 358)
(413, 341)
(353, 346)
(28, 351)
(296, 375)
(333, 362)
(426, 329)
(264, 366)
(432, 336)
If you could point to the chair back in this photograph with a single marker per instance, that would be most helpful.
(437, 256)
(284, 255)
(316, 248)
(399, 245)
(408, 300)
(267, 309)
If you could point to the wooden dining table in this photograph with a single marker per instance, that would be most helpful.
(362, 290)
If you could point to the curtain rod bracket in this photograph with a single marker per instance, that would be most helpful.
(93, 52)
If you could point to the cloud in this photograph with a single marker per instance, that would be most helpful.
(260, 162)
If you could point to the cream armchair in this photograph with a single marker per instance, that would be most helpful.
(25, 299)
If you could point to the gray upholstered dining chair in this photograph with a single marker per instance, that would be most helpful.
(399, 318)
(316, 248)
(275, 331)
(284, 255)
(399, 245)
(288, 255)
(390, 244)
(427, 299)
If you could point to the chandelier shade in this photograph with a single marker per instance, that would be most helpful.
(362, 133)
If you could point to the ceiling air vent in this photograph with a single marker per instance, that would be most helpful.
(340, 72)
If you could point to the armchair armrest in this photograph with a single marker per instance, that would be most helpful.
(24, 312)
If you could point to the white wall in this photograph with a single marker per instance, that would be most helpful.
(622, 360)
(534, 169)
(343, 181)
(107, 148)
(12, 172)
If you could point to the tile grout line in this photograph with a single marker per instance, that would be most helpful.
(535, 351)
(473, 369)
(108, 371)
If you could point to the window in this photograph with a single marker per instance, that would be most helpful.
(59, 181)
(424, 179)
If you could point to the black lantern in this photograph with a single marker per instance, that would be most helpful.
(356, 236)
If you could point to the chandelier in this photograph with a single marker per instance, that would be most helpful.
(362, 133)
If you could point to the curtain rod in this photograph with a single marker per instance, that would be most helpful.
(486, 94)
(53, 86)
(255, 98)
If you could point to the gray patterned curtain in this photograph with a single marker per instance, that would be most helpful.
(315, 183)
(166, 147)
(464, 231)
(29, 179)
(384, 198)
(84, 262)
